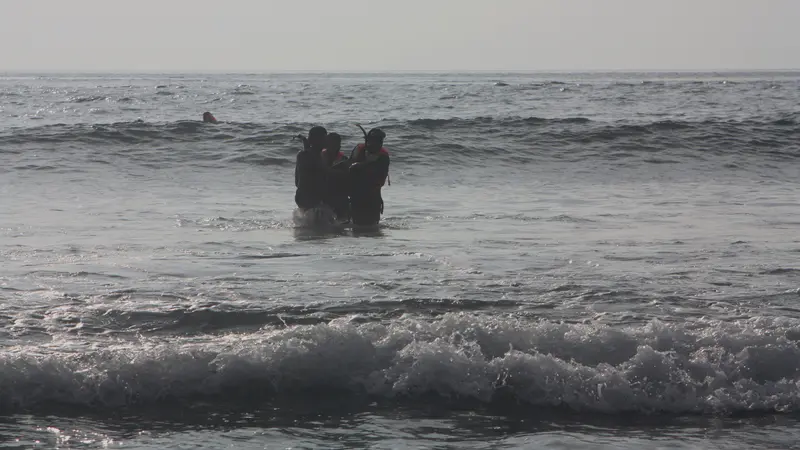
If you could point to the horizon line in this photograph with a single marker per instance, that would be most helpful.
(4, 72)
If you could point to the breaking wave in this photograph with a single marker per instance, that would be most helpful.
(703, 367)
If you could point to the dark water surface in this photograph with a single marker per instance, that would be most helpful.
(566, 261)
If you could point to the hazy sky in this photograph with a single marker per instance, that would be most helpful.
(387, 35)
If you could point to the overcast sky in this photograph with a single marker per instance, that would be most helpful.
(389, 35)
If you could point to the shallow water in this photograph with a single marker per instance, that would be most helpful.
(568, 261)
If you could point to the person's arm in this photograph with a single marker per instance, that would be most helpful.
(353, 154)
(304, 139)
(343, 163)
(381, 170)
(297, 168)
(339, 171)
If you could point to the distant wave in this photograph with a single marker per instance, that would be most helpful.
(457, 122)
(471, 139)
(749, 366)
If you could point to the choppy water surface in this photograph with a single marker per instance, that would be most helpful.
(566, 261)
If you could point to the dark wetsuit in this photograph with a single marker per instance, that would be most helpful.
(366, 180)
(309, 178)
(337, 187)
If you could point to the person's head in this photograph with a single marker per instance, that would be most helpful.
(375, 139)
(316, 137)
(208, 118)
(333, 143)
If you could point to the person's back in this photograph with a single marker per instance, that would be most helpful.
(368, 173)
(309, 173)
(337, 187)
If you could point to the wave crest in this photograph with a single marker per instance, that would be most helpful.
(698, 368)
(466, 141)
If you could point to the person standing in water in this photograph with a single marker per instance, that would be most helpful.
(309, 171)
(337, 182)
(368, 173)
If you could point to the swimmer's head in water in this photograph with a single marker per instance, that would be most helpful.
(316, 137)
(375, 139)
(209, 118)
(333, 142)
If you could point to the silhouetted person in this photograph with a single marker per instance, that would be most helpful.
(209, 118)
(337, 187)
(309, 172)
(368, 173)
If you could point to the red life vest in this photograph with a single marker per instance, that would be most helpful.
(338, 158)
(362, 155)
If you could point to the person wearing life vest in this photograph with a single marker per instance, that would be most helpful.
(332, 153)
(368, 173)
(336, 191)
(209, 118)
(309, 172)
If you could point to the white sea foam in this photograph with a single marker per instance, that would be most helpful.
(704, 367)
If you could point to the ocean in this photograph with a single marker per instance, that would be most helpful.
(566, 260)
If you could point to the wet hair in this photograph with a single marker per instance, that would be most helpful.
(376, 133)
(317, 133)
(335, 138)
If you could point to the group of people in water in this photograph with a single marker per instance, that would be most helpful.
(349, 187)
